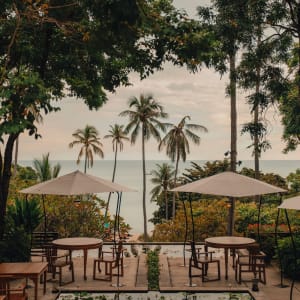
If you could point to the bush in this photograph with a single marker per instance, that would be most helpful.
(291, 268)
(15, 244)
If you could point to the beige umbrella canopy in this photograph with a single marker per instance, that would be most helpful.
(75, 183)
(229, 184)
(291, 203)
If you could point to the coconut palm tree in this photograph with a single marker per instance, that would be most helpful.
(162, 179)
(144, 118)
(117, 134)
(44, 170)
(177, 146)
(88, 138)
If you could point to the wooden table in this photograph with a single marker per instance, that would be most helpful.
(79, 243)
(31, 270)
(228, 242)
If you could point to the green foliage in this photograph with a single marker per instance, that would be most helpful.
(153, 270)
(293, 180)
(26, 214)
(82, 217)
(291, 268)
(210, 219)
(15, 244)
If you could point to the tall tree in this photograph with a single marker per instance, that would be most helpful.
(285, 19)
(90, 143)
(145, 119)
(80, 48)
(162, 179)
(177, 146)
(228, 20)
(118, 135)
(44, 170)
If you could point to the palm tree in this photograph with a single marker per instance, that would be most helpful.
(162, 180)
(144, 118)
(44, 170)
(88, 138)
(177, 144)
(117, 134)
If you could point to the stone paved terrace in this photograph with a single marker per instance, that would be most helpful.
(173, 277)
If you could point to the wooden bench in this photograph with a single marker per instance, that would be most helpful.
(39, 241)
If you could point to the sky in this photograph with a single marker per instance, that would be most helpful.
(200, 96)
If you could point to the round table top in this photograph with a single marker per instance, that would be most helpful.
(228, 241)
(78, 242)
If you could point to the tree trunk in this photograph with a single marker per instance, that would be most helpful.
(233, 143)
(5, 175)
(175, 181)
(16, 157)
(144, 186)
(113, 179)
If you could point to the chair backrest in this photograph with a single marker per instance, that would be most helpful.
(40, 240)
(51, 255)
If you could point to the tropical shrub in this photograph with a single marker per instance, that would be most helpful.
(210, 217)
(290, 265)
(70, 217)
(26, 213)
(15, 244)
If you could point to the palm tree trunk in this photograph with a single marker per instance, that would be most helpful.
(113, 179)
(144, 186)
(233, 143)
(166, 203)
(85, 161)
(175, 180)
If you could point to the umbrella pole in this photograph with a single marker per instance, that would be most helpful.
(119, 209)
(258, 220)
(45, 217)
(186, 231)
(278, 251)
(115, 220)
(295, 252)
(192, 217)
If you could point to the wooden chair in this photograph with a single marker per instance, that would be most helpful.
(12, 293)
(201, 260)
(111, 260)
(251, 261)
(39, 241)
(56, 262)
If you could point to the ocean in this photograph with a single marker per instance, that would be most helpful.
(129, 173)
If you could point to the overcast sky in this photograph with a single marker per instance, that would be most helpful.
(201, 96)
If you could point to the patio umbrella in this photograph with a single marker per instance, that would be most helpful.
(229, 184)
(290, 203)
(77, 183)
